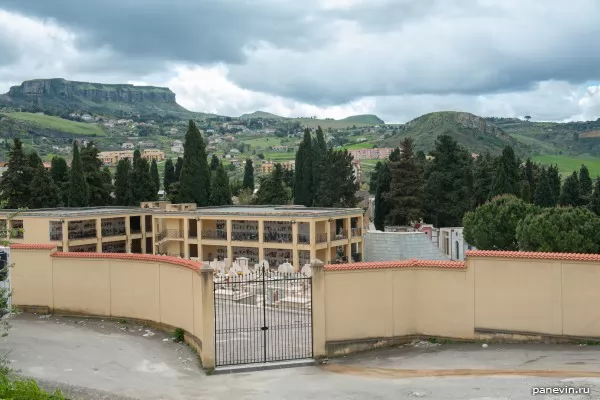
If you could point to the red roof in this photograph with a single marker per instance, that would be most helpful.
(32, 246)
(413, 263)
(132, 257)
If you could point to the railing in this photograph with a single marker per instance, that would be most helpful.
(321, 238)
(113, 231)
(303, 238)
(169, 234)
(356, 232)
(276, 237)
(213, 235)
(342, 234)
(91, 234)
(245, 236)
(55, 236)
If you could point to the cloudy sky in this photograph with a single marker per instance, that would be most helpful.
(330, 58)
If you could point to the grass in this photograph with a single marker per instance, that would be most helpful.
(263, 142)
(356, 146)
(57, 124)
(329, 123)
(568, 164)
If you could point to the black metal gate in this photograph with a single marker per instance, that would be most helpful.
(262, 316)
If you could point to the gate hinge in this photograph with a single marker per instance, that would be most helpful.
(264, 328)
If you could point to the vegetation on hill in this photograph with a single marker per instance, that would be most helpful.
(260, 114)
(23, 122)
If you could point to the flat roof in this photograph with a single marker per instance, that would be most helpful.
(250, 211)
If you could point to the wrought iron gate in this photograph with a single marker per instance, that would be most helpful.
(262, 316)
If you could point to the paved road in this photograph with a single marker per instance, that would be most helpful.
(240, 339)
(97, 360)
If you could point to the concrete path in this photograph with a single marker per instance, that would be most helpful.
(95, 359)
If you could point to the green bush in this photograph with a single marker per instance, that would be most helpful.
(493, 226)
(561, 230)
(178, 335)
(24, 389)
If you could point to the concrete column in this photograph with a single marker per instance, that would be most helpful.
(98, 235)
(198, 233)
(127, 234)
(65, 239)
(295, 261)
(229, 248)
(154, 226)
(208, 318)
(186, 234)
(313, 239)
(318, 308)
(261, 237)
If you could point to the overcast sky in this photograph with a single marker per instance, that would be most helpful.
(330, 58)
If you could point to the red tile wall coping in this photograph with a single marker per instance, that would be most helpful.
(413, 263)
(32, 246)
(533, 255)
(133, 257)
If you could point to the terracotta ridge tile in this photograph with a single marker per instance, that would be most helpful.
(31, 246)
(412, 263)
(133, 257)
(533, 255)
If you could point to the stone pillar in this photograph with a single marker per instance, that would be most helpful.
(143, 227)
(318, 308)
(153, 234)
(313, 239)
(208, 318)
(198, 234)
(261, 240)
(229, 248)
(65, 232)
(295, 261)
(186, 234)
(98, 235)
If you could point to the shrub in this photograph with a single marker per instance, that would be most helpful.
(562, 230)
(493, 225)
(24, 389)
(178, 335)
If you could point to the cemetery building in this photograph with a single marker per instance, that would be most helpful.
(278, 234)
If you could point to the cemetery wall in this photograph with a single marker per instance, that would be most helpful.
(389, 246)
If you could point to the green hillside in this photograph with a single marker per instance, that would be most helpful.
(349, 122)
(22, 122)
(260, 114)
(471, 131)
(369, 119)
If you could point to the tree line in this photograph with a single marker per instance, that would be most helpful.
(409, 187)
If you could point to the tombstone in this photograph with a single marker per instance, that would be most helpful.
(306, 270)
(262, 266)
(243, 264)
(236, 268)
(286, 268)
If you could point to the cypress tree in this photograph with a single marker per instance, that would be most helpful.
(507, 179)
(60, 175)
(373, 178)
(543, 196)
(585, 184)
(570, 194)
(44, 192)
(383, 187)
(214, 163)
(320, 162)
(555, 182)
(220, 192)
(405, 197)
(337, 186)
(272, 190)
(195, 172)
(595, 200)
(299, 175)
(99, 192)
(484, 170)
(14, 186)
(248, 182)
(142, 187)
(304, 181)
(178, 166)
(169, 177)
(123, 195)
(154, 176)
(530, 175)
(78, 190)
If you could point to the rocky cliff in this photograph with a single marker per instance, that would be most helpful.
(93, 97)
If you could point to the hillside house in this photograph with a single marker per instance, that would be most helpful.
(128, 146)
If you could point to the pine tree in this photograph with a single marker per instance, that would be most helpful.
(169, 178)
(383, 187)
(555, 182)
(220, 191)
(195, 172)
(78, 189)
(595, 200)
(406, 196)
(272, 190)
(529, 175)
(395, 155)
(526, 191)
(107, 179)
(543, 196)
(248, 182)
(99, 194)
(140, 182)
(123, 195)
(178, 166)
(337, 186)
(585, 185)
(14, 186)
(448, 183)
(507, 179)
(484, 171)
(154, 176)
(570, 194)
(44, 192)
(214, 163)
(304, 177)
(373, 177)
(60, 175)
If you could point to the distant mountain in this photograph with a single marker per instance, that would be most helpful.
(354, 120)
(470, 131)
(365, 119)
(260, 114)
(60, 95)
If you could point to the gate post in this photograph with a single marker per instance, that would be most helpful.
(318, 308)
(208, 317)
